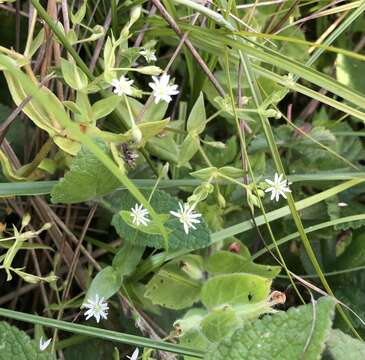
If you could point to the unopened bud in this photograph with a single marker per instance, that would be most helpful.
(136, 134)
(221, 200)
(135, 14)
(149, 70)
(26, 220)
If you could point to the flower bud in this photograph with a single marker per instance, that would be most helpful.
(149, 70)
(221, 200)
(25, 220)
(136, 134)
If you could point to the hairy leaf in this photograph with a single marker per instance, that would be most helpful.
(87, 178)
(163, 203)
(295, 334)
(17, 345)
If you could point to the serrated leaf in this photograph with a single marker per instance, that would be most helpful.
(281, 336)
(17, 345)
(226, 262)
(150, 228)
(87, 178)
(234, 289)
(344, 347)
(163, 203)
(173, 288)
(197, 118)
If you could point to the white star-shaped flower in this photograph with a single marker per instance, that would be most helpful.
(139, 215)
(122, 86)
(43, 344)
(134, 356)
(278, 187)
(148, 54)
(97, 308)
(162, 90)
(187, 216)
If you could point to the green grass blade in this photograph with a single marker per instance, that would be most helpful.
(100, 333)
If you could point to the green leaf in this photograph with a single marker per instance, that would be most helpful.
(163, 203)
(109, 280)
(350, 72)
(188, 148)
(205, 174)
(87, 178)
(197, 118)
(105, 106)
(225, 262)
(219, 323)
(73, 76)
(354, 254)
(17, 345)
(127, 258)
(344, 347)
(234, 289)
(80, 14)
(281, 336)
(150, 228)
(105, 284)
(174, 288)
(231, 171)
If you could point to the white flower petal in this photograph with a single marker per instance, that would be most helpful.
(43, 344)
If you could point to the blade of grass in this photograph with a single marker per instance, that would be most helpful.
(157, 260)
(100, 333)
(309, 230)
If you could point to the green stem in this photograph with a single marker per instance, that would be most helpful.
(43, 152)
(100, 333)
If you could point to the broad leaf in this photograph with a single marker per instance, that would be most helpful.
(295, 334)
(174, 288)
(344, 347)
(235, 289)
(87, 178)
(225, 262)
(73, 75)
(109, 280)
(163, 203)
(17, 345)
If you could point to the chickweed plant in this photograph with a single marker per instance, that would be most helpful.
(182, 179)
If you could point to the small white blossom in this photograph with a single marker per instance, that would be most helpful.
(122, 86)
(43, 345)
(97, 308)
(134, 356)
(342, 204)
(278, 187)
(187, 216)
(148, 54)
(162, 90)
(139, 215)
